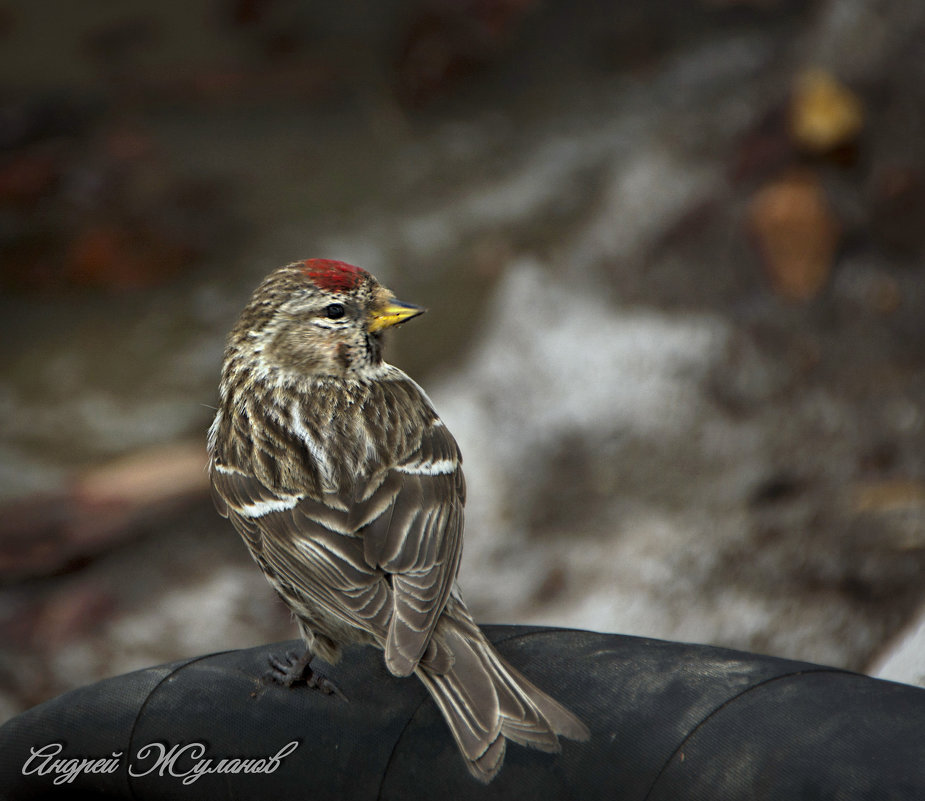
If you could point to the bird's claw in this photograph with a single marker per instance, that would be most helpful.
(294, 669)
(287, 670)
(321, 682)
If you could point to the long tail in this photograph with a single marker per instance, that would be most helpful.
(485, 701)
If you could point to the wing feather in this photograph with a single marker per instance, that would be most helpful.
(419, 543)
(325, 569)
(382, 558)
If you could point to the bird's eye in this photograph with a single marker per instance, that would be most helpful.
(335, 311)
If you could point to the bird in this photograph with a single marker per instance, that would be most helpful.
(347, 489)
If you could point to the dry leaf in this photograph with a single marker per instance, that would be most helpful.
(796, 234)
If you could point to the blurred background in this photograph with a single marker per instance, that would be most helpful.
(673, 256)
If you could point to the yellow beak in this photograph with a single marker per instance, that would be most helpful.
(392, 312)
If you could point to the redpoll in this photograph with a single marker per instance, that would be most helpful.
(348, 491)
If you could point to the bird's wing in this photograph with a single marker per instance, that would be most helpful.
(307, 550)
(417, 539)
(384, 560)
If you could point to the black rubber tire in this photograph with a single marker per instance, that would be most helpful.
(669, 722)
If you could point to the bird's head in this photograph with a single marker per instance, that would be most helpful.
(317, 318)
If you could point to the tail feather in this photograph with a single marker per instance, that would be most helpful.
(485, 701)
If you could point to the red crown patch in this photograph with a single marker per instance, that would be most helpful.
(334, 276)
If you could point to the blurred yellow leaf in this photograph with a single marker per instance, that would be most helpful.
(824, 114)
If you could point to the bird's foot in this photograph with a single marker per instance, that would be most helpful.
(295, 669)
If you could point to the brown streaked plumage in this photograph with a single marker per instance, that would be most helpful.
(348, 491)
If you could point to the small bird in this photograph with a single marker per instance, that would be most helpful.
(348, 491)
